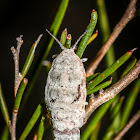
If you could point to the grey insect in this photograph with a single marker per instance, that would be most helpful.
(65, 93)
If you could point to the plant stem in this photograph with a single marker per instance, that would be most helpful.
(16, 61)
(113, 90)
(4, 108)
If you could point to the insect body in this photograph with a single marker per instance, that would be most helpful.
(65, 95)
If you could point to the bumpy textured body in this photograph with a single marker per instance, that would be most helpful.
(65, 95)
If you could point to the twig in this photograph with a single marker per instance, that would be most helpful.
(18, 79)
(15, 52)
(109, 93)
(128, 126)
(13, 125)
(16, 61)
(128, 15)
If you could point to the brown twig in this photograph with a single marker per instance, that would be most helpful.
(18, 79)
(13, 126)
(128, 126)
(16, 84)
(111, 92)
(16, 61)
(128, 15)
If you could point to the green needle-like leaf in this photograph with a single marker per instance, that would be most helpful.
(109, 70)
(41, 128)
(105, 31)
(113, 128)
(31, 123)
(68, 41)
(92, 37)
(54, 29)
(20, 93)
(101, 86)
(94, 135)
(115, 111)
(29, 59)
(116, 119)
(3, 107)
(63, 37)
(90, 29)
(88, 79)
(129, 67)
(44, 124)
(5, 133)
(130, 103)
(116, 106)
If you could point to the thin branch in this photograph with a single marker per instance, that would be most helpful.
(128, 15)
(111, 92)
(18, 79)
(19, 43)
(128, 126)
(13, 125)
(16, 61)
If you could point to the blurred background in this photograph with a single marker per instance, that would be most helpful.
(31, 18)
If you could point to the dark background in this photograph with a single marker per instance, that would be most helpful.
(31, 18)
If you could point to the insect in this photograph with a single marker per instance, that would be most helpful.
(65, 93)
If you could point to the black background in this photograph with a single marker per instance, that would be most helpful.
(31, 18)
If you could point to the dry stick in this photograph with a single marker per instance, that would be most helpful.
(112, 91)
(128, 15)
(16, 61)
(18, 78)
(128, 126)
(19, 43)
(16, 84)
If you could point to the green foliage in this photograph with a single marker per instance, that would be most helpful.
(86, 37)
(98, 87)
(130, 103)
(118, 118)
(5, 133)
(88, 79)
(20, 93)
(109, 70)
(129, 67)
(68, 41)
(92, 37)
(28, 61)
(31, 123)
(4, 108)
(41, 128)
(63, 37)
(105, 33)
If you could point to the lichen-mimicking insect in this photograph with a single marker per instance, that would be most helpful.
(65, 93)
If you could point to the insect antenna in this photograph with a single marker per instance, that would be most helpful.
(75, 45)
(61, 46)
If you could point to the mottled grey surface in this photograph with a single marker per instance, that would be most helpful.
(65, 92)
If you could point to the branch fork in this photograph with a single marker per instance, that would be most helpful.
(18, 79)
(95, 102)
(16, 61)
